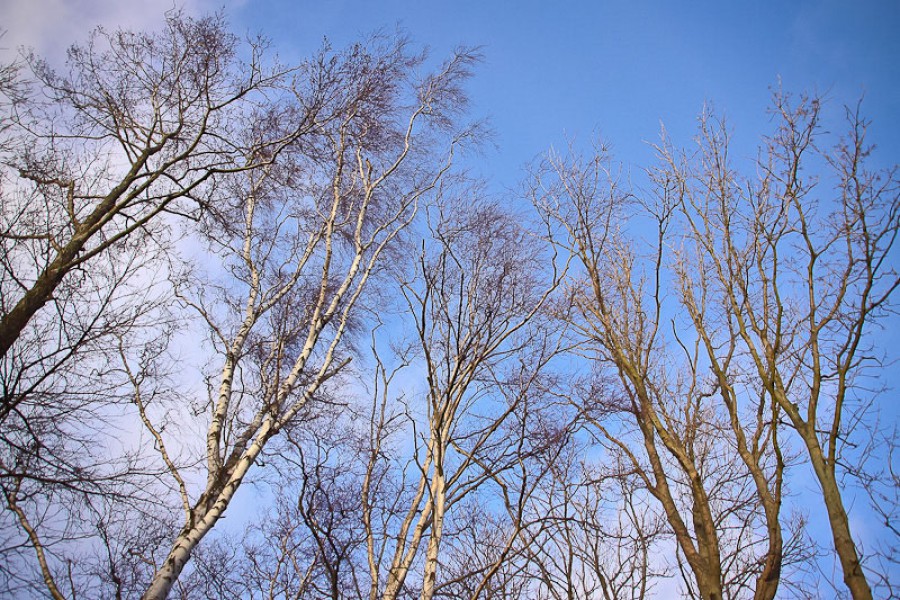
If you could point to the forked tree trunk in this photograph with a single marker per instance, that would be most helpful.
(207, 512)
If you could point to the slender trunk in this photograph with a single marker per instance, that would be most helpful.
(769, 578)
(207, 511)
(854, 576)
(403, 554)
(46, 573)
(191, 535)
(438, 489)
(703, 559)
(166, 576)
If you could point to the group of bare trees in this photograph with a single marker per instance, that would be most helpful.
(726, 321)
(219, 269)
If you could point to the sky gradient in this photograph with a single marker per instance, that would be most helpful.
(559, 70)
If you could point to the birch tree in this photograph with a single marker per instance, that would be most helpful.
(294, 197)
(368, 501)
(301, 239)
(99, 164)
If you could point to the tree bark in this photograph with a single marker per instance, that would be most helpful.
(854, 577)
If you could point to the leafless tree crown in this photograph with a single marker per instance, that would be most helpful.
(228, 281)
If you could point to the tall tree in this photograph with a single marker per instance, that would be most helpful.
(477, 290)
(464, 446)
(652, 398)
(798, 265)
(98, 166)
(301, 239)
(297, 184)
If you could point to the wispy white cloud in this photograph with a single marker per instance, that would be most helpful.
(50, 27)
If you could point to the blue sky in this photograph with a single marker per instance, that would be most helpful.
(619, 68)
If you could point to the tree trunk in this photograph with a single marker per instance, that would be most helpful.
(434, 542)
(854, 577)
(35, 298)
(166, 576)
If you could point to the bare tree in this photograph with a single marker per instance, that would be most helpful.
(653, 407)
(304, 178)
(98, 165)
(140, 122)
(364, 517)
(798, 262)
(476, 291)
(301, 238)
(193, 236)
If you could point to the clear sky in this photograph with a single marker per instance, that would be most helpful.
(619, 68)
